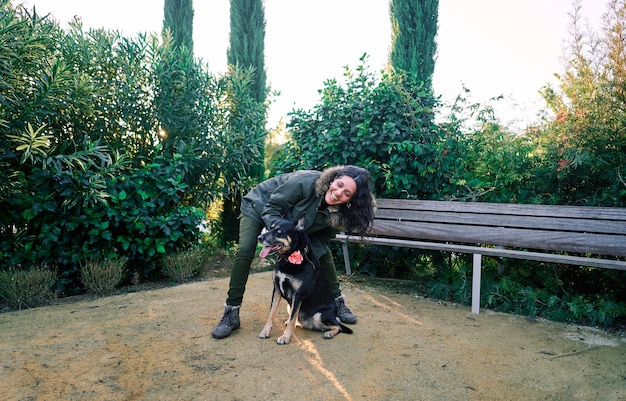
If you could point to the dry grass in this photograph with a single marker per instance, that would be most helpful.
(27, 288)
(182, 266)
(101, 277)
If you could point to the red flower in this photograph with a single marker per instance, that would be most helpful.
(563, 164)
(295, 258)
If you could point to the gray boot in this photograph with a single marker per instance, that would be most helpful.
(343, 312)
(229, 322)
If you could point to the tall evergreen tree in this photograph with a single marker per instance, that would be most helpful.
(246, 51)
(413, 46)
(178, 17)
(247, 41)
(178, 76)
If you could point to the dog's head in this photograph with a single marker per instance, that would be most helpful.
(283, 237)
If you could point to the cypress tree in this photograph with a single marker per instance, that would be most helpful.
(246, 51)
(247, 42)
(177, 75)
(178, 17)
(413, 46)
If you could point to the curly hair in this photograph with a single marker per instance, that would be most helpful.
(357, 215)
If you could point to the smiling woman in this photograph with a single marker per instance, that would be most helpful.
(340, 191)
(328, 201)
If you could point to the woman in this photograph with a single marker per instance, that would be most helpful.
(338, 198)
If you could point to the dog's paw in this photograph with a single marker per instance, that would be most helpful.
(265, 333)
(329, 334)
(282, 340)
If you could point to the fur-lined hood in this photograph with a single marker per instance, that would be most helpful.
(326, 178)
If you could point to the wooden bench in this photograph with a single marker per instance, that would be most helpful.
(547, 233)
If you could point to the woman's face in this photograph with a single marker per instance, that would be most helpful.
(340, 191)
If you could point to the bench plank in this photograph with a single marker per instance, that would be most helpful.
(600, 244)
(543, 233)
(508, 220)
(585, 212)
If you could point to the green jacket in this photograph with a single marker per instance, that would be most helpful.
(301, 193)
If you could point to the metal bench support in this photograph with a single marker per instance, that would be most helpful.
(476, 270)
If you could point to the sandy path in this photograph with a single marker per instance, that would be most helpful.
(156, 345)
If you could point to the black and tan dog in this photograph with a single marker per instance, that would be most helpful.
(298, 279)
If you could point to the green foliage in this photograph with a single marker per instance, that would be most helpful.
(382, 124)
(101, 210)
(67, 187)
(506, 294)
(243, 142)
(27, 288)
(528, 289)
(101, 277)
(85, 174)
(413, 45)
(247, 43)
(114, 103)
(557, 292)
(248, 114)
(25, 69)
(178, 18)
(485, 161)
(584, 148)
(185, 95)
(181, 266)
(31, 143)
(576, 158)
(148, 214)
(273, 146)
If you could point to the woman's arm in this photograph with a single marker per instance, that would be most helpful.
(283, 199)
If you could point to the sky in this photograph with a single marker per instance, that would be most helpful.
(492, 47)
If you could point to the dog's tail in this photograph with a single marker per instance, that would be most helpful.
(345, 329)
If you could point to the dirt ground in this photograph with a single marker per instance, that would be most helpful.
(157, 345)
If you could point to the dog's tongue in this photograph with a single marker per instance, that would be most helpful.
(265, 251)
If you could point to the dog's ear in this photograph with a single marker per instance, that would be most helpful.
(300, 224)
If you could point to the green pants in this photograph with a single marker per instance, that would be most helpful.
(249, 230)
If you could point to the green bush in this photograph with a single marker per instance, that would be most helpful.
(148, 214)
(584, 147)
(509, 296)
(101, 277)
(78, 214)
(97, 161)
(182, 266)
(384, 124)
(27, 288)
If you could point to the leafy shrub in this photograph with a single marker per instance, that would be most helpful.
(101, 277)
(384, 124)
(181, 266)
(84, 170)
(27, 288)
(148, 214)
(584, 147)
(509, 296)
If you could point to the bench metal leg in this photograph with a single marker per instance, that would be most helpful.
(346, 257)
(476, 269)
